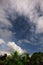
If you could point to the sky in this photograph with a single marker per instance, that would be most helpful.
(21, 25)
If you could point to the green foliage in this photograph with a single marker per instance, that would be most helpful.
(37, 58)
(24, 59)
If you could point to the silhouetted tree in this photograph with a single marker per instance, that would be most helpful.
(3, 57)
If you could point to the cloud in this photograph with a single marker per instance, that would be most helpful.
(5, 34)
(25, 17)
(5, 25)
(9, 47)
(31, 42)
(3, 45)
(3, 5)
(4, 52)
(40, 25)
(15, 47)
(22, 21)
(23, 41)
(2, 41)
(33, 9)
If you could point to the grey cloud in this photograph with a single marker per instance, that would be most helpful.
(3, 19)
(5, 24)
(22, 20)
(5, 33)
(32, 9)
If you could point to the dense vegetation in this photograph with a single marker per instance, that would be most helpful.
(24, 59)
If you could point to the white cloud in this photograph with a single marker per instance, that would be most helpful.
(26, 7)
(15, 47)
(23, 6)
(39, 25)
(9, 47)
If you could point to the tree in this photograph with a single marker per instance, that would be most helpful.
(36, 58)
(26, 59)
